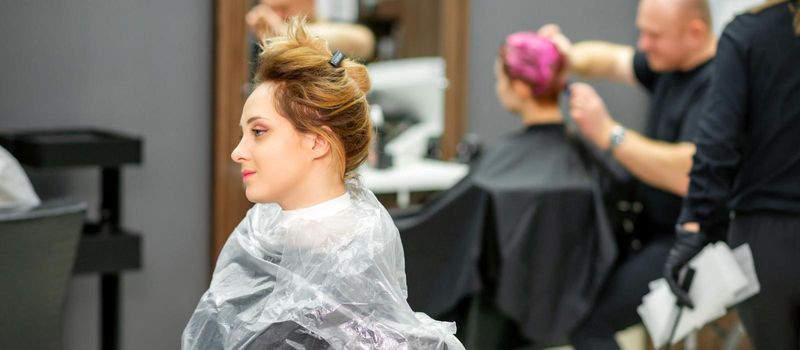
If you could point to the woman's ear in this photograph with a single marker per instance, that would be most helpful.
(321, 145)
(521, 89)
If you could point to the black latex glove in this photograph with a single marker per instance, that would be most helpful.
(687, 245)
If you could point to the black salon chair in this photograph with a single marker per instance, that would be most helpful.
(442, 245)
(37, 252)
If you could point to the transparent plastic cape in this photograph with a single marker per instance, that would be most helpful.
(16, 191)
(337, 282)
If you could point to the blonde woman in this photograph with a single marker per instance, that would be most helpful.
(317, 263)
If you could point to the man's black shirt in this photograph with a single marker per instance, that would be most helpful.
(675, 107)
(748, 141)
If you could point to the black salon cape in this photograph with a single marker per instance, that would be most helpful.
(530, 217)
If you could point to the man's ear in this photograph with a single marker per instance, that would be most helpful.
(699, 29)
(320, 144)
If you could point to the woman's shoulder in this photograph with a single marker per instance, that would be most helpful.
(371, 212)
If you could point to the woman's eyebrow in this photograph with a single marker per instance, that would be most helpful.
(252, 119)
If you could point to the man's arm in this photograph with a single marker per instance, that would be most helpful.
(595, 59)
(354, 40)
(659, 164)
(598, 59)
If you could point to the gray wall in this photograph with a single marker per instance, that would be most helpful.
(491, 21)
(142, 67)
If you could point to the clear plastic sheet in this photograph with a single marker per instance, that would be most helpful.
(337, 282)
(16, 191)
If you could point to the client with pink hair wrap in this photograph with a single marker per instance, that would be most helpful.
(548, 270)
(535, 60)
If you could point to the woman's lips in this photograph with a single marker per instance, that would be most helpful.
(246, 174)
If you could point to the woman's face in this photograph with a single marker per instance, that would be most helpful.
(275, 157)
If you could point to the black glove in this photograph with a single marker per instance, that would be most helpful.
(687, 245)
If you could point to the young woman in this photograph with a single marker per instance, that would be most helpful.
(317, 263)
(554, 245)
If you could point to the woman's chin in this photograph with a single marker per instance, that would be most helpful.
(255, 197)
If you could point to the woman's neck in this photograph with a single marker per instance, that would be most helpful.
(314, 190)
(534, 114)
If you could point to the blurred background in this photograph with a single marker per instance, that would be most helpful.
(175, 73)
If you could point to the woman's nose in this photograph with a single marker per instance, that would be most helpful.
(238, 155)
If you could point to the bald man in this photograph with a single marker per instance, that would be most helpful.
(673, 63)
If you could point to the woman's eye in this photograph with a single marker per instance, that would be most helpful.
(258, 132)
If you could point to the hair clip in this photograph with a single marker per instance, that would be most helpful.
(337, 58)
